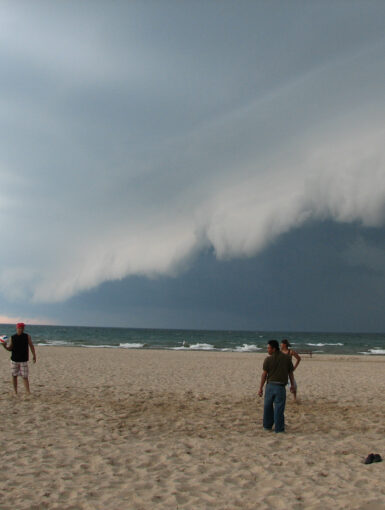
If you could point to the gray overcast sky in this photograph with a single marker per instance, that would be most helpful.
(193, 164)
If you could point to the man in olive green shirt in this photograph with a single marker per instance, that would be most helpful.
(277, 368)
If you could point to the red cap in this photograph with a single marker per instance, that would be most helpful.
(20, 325)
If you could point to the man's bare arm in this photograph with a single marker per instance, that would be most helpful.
(263, 380)
(297, 357)
(32, 347)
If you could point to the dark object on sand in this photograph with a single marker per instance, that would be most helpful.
(373, 457)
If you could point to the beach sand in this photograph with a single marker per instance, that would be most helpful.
(123, 429)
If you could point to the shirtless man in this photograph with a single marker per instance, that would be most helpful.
(285, 348)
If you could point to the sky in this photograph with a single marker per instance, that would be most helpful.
(195, 164)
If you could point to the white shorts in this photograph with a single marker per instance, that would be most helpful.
(20, 369)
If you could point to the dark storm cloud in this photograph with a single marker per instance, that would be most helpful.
(136, 135)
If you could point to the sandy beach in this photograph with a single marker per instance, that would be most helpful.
(123, 429)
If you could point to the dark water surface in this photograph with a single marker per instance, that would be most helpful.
(236, 341)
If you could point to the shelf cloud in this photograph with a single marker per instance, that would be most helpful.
(127, 152)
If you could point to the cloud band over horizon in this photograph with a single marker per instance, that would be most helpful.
(120, 159)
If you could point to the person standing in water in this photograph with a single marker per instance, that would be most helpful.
(19, 346)
(285, 348)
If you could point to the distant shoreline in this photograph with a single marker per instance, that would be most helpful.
(260, 354)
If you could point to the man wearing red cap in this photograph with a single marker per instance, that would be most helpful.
(19, 345)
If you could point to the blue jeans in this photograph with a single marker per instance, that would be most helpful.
(274, 407)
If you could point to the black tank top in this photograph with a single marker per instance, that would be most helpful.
(19, 348)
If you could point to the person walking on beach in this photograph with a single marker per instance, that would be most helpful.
(285, 348)
(277, 368)
(19, 346)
